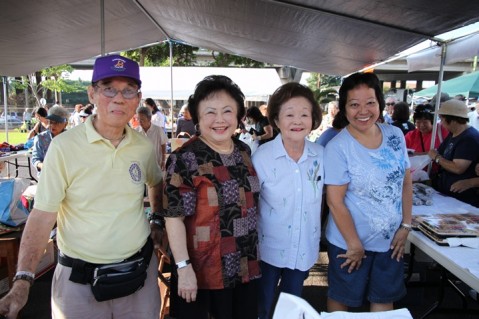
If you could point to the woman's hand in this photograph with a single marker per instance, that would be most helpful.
(398, 243)
(432, 154)
(354, 257)
(461, 186)
(187, 286)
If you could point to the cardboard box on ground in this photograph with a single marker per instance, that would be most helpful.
(47, 262)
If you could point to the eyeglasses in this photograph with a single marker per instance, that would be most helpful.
(128, 93)
(390, 104)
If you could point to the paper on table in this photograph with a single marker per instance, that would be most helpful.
(463, 241)
(418, 162)
(290, 306)
(392, 314)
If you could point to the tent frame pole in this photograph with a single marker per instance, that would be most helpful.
(5, 102)
(438, 94)
(173, 132)
(438, 100)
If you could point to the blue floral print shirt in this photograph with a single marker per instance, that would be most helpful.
(375, 184)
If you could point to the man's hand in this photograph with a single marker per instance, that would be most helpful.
(15, 300)
(158, 235)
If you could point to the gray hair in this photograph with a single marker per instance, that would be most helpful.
(144, 110)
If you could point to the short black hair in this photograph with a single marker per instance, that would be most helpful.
(41, 111)
(213, 84)
(401, 112)
(424, 112)
(288, 91)
(449, 118)
(353, 81)
(254, 113)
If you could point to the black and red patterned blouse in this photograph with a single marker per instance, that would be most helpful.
(218, 196)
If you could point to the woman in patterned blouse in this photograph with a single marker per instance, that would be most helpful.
(211, 193)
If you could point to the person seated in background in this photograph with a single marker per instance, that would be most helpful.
(458, 153)
(419, 139)
(154, 133)
(263, 131)
(57, 122)
(400, 117)
(185, 126)
(41, 122)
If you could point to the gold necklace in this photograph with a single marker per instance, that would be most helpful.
(217, 149)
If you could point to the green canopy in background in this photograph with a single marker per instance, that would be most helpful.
(467, 85)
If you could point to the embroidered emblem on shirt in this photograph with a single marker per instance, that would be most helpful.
(314, 177)
(135, 172)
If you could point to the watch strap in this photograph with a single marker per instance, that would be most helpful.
(183, 263)
(24, 275)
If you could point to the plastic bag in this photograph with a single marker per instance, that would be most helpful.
(248, 139)
(12, 211)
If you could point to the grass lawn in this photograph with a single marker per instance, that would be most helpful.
(14, 137)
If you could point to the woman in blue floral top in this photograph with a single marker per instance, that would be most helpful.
(291, 175)
(369, 193)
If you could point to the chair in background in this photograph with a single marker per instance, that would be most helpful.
(164, 276)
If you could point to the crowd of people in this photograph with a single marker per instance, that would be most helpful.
(242, 224)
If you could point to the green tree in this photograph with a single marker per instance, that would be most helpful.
(49, 79)
(226, 59)
(159, 55)
(323, 86)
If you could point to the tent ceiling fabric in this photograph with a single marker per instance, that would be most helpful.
(332, 37)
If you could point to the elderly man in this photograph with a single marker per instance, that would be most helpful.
(390, 102)
(92, 186)
(154, 133)
(57, 122)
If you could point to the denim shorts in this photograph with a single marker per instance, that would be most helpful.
(379, 279)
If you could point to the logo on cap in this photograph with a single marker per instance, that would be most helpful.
(119, 65)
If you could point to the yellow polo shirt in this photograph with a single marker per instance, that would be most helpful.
(97, 190)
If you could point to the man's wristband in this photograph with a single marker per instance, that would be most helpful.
(183, 263)
(24, 275)
(158, 222)
(156, 218)
(437, 158)
(407, 227)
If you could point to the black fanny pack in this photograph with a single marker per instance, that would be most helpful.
(111, 281)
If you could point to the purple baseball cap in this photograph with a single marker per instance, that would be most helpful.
(115, 65)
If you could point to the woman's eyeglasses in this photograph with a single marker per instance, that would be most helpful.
(390, 104)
